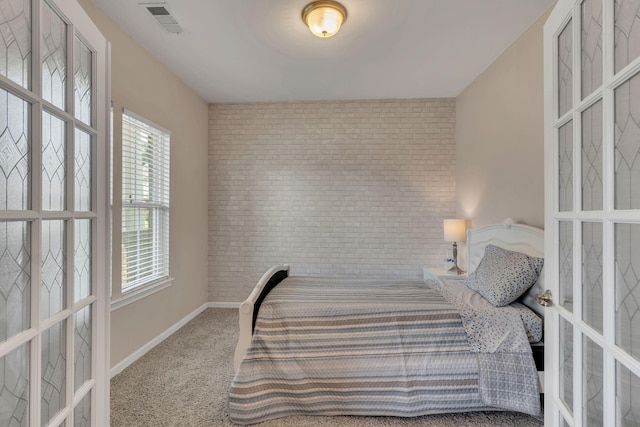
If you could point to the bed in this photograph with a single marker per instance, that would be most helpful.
(365, 346)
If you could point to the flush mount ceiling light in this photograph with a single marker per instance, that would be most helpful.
(324, 18)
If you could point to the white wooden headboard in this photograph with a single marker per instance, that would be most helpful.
(514, 237)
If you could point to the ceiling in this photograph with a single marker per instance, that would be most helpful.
(261, 51)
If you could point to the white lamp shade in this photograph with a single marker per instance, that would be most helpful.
(455, 230)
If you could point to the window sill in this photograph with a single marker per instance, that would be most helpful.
(141, 292)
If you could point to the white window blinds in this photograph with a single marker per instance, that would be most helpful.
(145, 201)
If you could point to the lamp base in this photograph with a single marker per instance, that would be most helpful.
(455, 270)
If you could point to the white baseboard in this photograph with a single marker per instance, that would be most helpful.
(224, 304)
(157, 340)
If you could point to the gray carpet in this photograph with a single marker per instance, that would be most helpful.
(184, 381)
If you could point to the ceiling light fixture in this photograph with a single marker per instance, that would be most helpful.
(324, 18)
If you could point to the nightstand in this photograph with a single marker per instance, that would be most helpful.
(433, 273)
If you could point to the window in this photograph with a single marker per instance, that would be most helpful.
(145, 202)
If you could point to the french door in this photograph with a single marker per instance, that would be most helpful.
(592, 213)
(53, 224)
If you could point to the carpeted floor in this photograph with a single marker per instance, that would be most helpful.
(184, 381)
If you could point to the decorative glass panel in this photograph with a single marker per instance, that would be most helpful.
(14, 388)
(592, 274)
(565, 69)
(627, 144)
(82, 89)
(591, 46)
(592, 375)
(82, 259)
(565, 164)
(565, 231)
(82, 347)
(53, 268)
(627, 287)
(626, 33)
(592, 158)
(53, 163)
(54, 57)
(566, 363)
(15, 278)
(627, 397)
(54, 356)
(82, 157)
(82, 412)
(15, 152)
(15, 41)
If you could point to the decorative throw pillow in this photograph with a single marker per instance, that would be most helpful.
(502, 275)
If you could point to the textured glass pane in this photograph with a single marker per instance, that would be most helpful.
(627, 397)
(15, 153)
(565, 164)
(591, 383)
(54, 57)
(54, 356)
(565, 69)
(627, 287)
(15, 278)
(82, 347)
(82, 77)
(15, 41)
(566, 363)
(53, 163)
(627, 32)
(82, 259)
(14, 388)
(591, 46)
(627, 144)
(53, 268)
(82, 412)
(592, 274)
(592, 158)
(82, 156)
(565, 231)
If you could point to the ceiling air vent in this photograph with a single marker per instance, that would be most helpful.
(163, 17)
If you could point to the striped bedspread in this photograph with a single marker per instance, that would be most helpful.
(355, 347)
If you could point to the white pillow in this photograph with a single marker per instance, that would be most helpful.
(502, 275)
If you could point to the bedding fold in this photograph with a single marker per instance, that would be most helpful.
(508, 377)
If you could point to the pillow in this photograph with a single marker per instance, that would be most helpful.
(502, 275)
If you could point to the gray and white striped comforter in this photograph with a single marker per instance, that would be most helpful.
(366, 347)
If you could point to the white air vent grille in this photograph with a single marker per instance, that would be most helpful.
(163, 17)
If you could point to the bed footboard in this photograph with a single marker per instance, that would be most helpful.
(249, 308)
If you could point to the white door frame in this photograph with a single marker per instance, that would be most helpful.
(78, 23)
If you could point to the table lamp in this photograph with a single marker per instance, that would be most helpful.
(455, 230)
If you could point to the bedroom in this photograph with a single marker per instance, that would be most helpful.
(493, 170)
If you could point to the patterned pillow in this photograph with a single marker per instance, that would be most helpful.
(502, 275)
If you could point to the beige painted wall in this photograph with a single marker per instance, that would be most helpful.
(499, 137)
(143, 85)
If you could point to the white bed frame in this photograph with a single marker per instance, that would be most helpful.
(250, 306)
(515, 237)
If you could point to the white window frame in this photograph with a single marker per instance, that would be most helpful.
(159, 277)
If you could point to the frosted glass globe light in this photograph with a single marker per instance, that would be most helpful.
(324, 18)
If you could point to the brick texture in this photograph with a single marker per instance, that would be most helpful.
(336, 188)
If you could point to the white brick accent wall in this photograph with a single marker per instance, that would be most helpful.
(347, 188)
